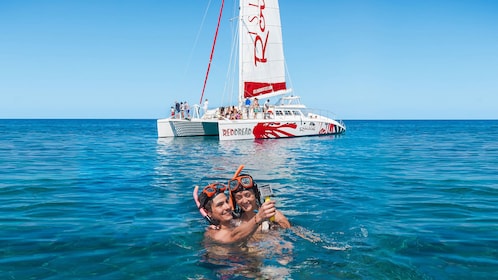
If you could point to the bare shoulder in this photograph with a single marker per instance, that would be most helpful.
(217, 235)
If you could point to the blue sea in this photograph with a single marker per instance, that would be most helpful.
(107, 199)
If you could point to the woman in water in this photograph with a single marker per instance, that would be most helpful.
(247, 199)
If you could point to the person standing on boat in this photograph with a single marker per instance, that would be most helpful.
(187, 110)
(205, 106)
(266, 108)
(255, 108)
(182, 110)
(248, 106)
(177, 108)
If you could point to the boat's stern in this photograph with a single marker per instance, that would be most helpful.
(164, 128)
(340, 127)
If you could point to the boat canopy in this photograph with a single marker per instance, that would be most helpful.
(292, 101)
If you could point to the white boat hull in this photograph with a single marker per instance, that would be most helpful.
(249, 128)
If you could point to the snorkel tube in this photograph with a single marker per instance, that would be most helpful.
(201, 209)
(232, 203)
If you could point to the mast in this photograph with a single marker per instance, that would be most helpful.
(241, 27)
(212, 50)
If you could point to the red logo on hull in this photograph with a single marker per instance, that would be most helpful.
(272, 130)
(329, 129)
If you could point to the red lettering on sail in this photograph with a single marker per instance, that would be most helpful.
(259, 44)
(253, 89)
(260, 48)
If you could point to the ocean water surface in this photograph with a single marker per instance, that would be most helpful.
(107, 199)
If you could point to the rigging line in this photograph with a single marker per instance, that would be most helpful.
(212, 50)
(231, 78)
(198, 35)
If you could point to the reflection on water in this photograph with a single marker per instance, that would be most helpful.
(267, 159)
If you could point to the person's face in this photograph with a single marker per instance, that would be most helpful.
(246, 200)
(220, 208)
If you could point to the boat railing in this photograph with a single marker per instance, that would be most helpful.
(196, 111)
(211, 114)
(321, 113)
(276, 112)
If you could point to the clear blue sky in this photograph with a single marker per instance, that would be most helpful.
(360, 59)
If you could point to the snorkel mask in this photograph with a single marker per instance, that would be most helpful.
(209, 192)
(244, 182)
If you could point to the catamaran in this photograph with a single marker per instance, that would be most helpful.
(261, 78)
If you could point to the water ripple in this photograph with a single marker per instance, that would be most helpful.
(387, 200)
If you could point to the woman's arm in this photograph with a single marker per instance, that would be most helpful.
(281, 220)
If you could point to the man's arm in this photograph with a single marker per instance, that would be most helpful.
(244, 231)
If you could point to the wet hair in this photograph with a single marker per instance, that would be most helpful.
(203, 200)
(206, 202)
